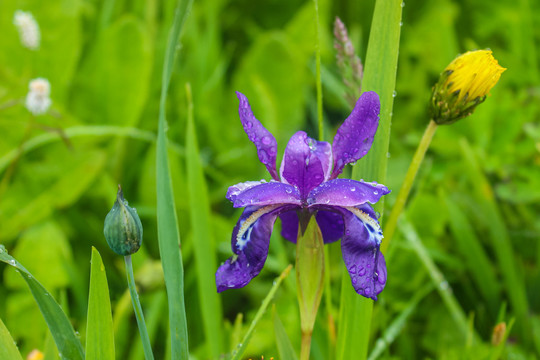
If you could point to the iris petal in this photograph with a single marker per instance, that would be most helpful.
(262, 138)
(346, 192)
(355, 136)
(306, 162)
(360, 249)
(289, 225)
(267, 194)
(250, 240)
(331, 225)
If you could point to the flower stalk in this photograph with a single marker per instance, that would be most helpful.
(404, 191)
(147, 347)
(309, 277)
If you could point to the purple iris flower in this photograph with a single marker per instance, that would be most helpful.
(307, 186)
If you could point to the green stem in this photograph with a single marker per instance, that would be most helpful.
(138, 310)
(390, 227)
(306, 345)
(318, 70)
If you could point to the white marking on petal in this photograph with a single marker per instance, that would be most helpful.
(243, 237)
(371, 225)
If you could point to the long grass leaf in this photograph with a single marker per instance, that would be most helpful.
(241, 348)
(204, 249)
(68, 344)
(285, 348)
(8, 349)
(502, 246)
(379, 76)
(168, 232)
(99, 326)
(393, 330)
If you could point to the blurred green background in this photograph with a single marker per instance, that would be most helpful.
(475, 205)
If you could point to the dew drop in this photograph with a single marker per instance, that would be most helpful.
(12, 262)
(376, 192)
(266, 140)
(403, 4)
(353, 188)
(249, 125)
(367, 291)
(288, 190)
(401, 23)
(352, 269)
(362, 271)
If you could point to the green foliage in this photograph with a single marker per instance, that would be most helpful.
(474, 206)
(99, 326)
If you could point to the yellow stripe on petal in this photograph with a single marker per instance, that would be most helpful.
(244, 233)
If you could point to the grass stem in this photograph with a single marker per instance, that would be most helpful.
(138, 310)
(390, 227)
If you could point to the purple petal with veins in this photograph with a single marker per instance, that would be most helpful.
(267, 194)
(355, 136)
(346, 192)
(262, 138)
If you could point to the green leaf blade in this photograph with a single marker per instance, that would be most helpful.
(8, 349)
(99, 326)
(204, 249)
(64, 336)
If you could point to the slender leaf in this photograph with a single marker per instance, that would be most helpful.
(99, 326)
(8, 348)
(68, 344)
(394, 329)
(379, 76)
(285, 348)
(241, 348)
(168, 233)
(204, 248)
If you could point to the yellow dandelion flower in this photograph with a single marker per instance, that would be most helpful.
(463, 85)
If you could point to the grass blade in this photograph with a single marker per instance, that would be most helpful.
(237, 355)
(436, 276)
(99, 326)
(475, 257)
(68, 344)
(8, 349)
(285, 348)
(168, 233)
(204, 250)
(397, 325)
(379, 76)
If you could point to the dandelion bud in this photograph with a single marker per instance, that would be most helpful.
(28, 29)
(463, 85)
(123, 229)
(37, 99)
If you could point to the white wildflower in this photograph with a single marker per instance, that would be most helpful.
(28, 29)
(38, 100)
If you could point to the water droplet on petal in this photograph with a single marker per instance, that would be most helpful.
(352, 269)
(248, 125)
(353, 188)
(266, 140)
(361, 271)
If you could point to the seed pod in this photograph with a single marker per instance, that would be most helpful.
(123, 229)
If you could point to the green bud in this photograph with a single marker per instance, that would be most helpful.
(123, 229)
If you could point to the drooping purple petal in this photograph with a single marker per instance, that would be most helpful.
(289, 225)
(331, 225)
(355, 136)
(267, 194)
(263, 139)
(346, 192)
(305, 162)
(250, 240)
(360, 250)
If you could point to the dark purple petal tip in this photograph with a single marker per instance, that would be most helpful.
(262, 138)
(355, 136)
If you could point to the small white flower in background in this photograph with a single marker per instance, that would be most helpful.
(28, 29)
(38, 100)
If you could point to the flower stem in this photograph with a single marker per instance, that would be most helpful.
(138, 310)
(306, 345)
(318, 70)
(390, 227)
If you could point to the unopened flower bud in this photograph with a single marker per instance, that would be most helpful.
(463, 85)
(123, 229)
